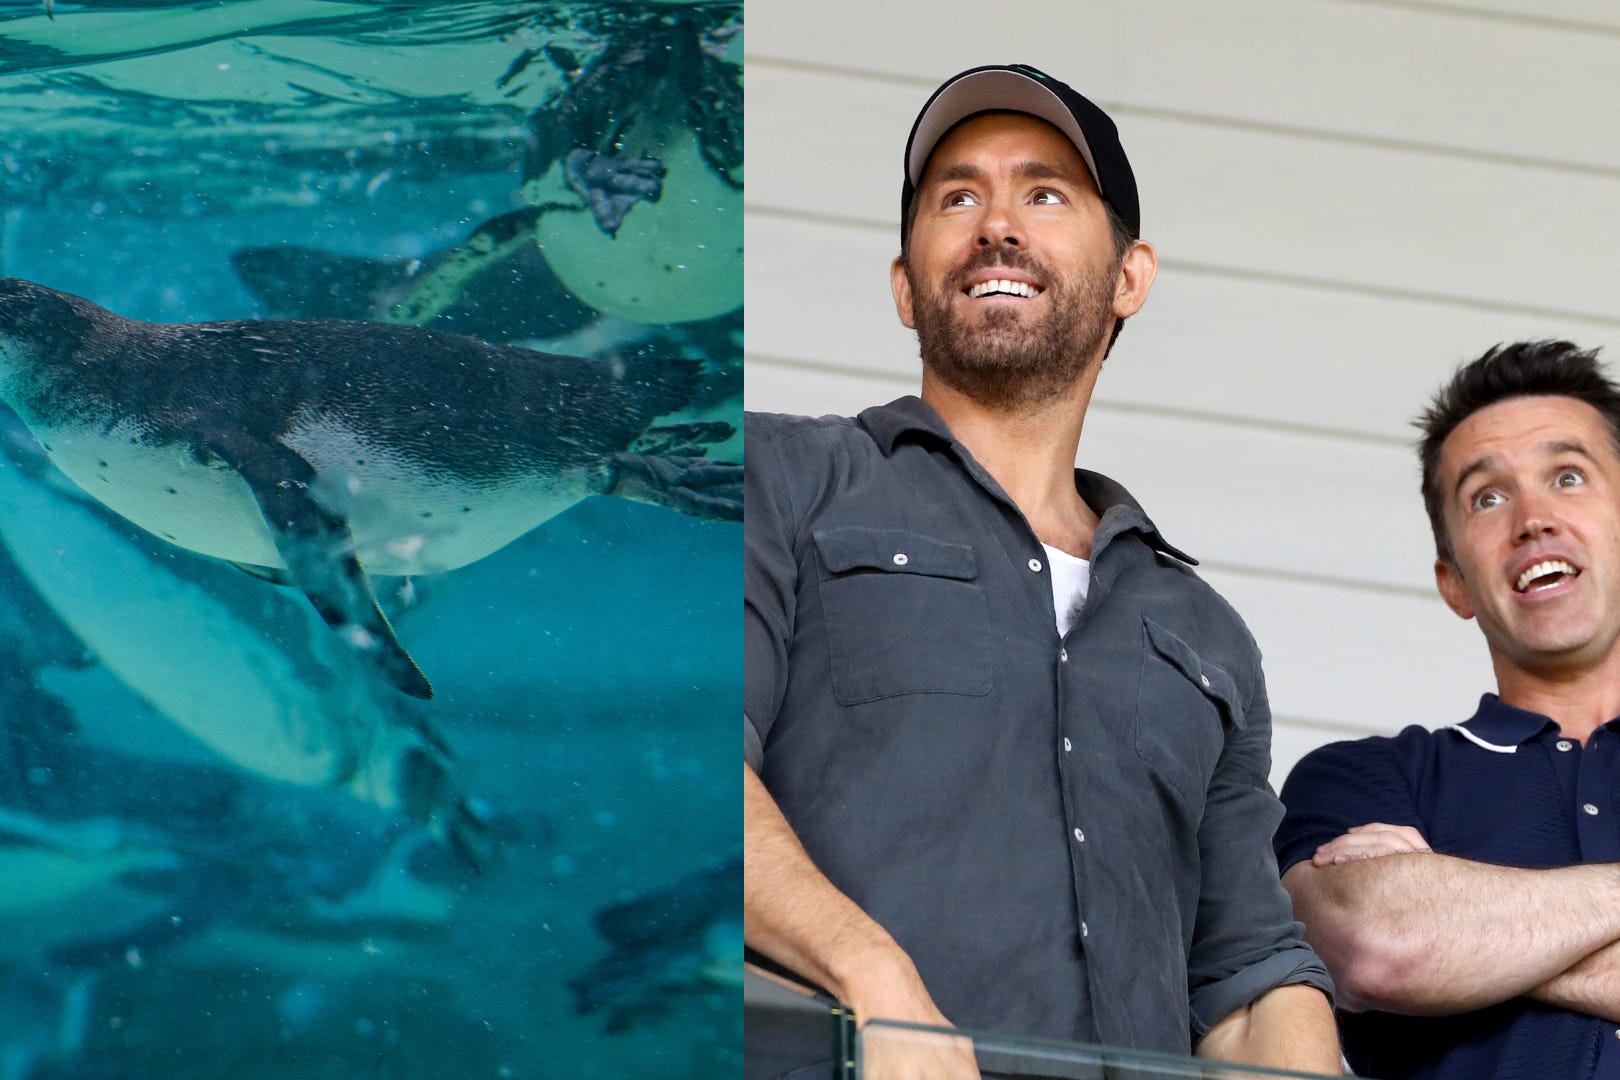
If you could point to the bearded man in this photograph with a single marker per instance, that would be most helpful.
(1006, 755)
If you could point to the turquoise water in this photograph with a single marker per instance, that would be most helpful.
(227, 847)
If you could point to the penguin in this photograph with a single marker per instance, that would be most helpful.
(667, 944)
(318, 452)
(493, 285)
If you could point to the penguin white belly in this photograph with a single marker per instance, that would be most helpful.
(404, 520)
(408, 519)
(166, 491)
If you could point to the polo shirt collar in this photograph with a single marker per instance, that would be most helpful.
(1502, 725)
(1117, 510)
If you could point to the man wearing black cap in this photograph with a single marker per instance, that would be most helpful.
(1006, 755)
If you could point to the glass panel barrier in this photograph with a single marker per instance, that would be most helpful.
(954, 1054)
(788, 1024)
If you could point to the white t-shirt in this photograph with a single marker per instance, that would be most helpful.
(1071, 579)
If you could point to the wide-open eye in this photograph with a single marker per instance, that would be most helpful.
(1570, 477)
(1485, 499)
(961, 198)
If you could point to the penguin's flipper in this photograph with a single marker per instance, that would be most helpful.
(315, 542)
(711, 490)
(319, 551)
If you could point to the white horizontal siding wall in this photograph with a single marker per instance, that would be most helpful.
(1348, 198)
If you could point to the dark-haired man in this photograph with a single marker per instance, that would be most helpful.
(1006, 753)
(1488, 943)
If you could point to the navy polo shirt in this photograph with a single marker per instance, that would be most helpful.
(1507, 788)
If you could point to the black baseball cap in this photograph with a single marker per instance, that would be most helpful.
(1021, 88)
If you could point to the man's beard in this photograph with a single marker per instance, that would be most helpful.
(1004, 361)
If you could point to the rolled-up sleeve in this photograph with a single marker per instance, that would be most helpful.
(1246, 940)
(770, 583)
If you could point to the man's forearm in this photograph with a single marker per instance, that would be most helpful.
(1429, 934)
(1591, 986)
(1289, 1027)
(797, 917)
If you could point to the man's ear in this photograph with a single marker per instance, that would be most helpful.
(901, 284)
(1448, 579)
(1136, 273)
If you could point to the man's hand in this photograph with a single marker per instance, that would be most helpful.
(1435, 935)
(794, 915)
(898, 1054)
(1591, 985)
(1368, 842)
(894, 992)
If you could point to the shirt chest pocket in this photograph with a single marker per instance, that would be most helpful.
(904, 614)
(1184, 707)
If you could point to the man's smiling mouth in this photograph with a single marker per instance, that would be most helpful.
(1544, 575)
(1001, 287)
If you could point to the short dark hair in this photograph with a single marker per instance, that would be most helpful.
(1509, 370)
(1118, 232)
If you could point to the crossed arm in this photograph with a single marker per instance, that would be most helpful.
(1406, 930)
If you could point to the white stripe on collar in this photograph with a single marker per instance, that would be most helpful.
(1479, 742)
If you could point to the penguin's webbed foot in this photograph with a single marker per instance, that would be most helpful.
(683, 440)
(611, 185)
(710, 490)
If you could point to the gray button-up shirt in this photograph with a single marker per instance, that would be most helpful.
(1070, 836)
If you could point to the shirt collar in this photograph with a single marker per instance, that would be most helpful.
(903, 416)
(1501, 724)
(1117, 510)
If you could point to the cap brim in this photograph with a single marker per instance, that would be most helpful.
(987, 91)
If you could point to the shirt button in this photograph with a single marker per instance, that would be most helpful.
(1084, 932)
(901, 558)
(1063, 655)
(1067, 745)
(1590, 809)
(1205, 680)
(1565, 745)
(1079, 836)
(1035, 565)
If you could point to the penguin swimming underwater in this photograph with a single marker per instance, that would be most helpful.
(323, 451)
(494, 285)
(667, 944)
